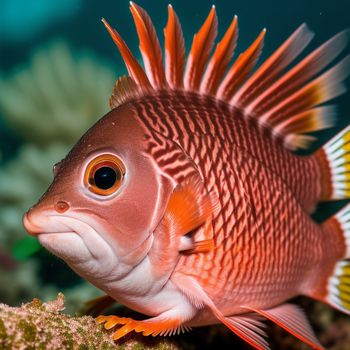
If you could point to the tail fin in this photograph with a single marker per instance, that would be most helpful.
(334, 160)
(338, 286)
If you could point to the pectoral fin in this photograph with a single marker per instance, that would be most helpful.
(292, 319)
(189, 246)
(191, 207)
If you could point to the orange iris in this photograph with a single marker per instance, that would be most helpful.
(104, 174)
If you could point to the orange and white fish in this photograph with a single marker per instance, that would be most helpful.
(186, 202)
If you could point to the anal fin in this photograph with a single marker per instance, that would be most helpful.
(293, 320)
(246, 327)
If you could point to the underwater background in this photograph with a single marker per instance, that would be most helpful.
(57, 69)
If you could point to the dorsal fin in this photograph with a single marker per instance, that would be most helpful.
(135, 70)
(202, 44)
(174, 50)
(241, 68)
(278, 96)
(266, 73)
(309, 67)
(320, 90)
(149, 46)
(220, 59)
(124, 90)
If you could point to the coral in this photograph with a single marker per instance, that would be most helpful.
(57, 97)
(61, 95)
(49, 103)
(43, 326)
(22, 181)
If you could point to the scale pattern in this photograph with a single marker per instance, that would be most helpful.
(262, 256)
(186, 116)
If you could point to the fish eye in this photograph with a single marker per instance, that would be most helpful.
(104, 174)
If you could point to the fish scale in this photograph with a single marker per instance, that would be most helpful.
(174, 112)
(249, 239)
(218, 235)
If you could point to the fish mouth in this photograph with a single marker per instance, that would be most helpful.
(36, 230)
(30, 226)
(66, 236)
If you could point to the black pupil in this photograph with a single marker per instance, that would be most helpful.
(105, 177)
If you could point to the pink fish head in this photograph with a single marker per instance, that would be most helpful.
(105, 201)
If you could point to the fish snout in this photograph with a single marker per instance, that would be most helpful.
(40, 217)
(29, 224)
(38, 220)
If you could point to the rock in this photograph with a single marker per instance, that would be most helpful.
(43, 326)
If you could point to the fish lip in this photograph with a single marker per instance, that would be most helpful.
(37, 231)
(120, 255)
(71, 229)
(31, 227)
(55, 233)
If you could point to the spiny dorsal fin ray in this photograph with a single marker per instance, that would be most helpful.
(134, 68)
(241, 69)
(202, 44)
(174, 50)
(292, 130)
(266, 73)
(282, 102)
(220, 59)
(311, 120)
(149, 46)
(322, 89)
(296, 77)
(124, 90)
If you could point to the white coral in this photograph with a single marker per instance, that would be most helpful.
(58, 96)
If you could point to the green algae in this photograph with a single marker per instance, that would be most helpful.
(28, 330)
(3, 333)
(107, 346)
(83, 347)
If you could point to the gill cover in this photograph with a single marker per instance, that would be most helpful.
(110, 181)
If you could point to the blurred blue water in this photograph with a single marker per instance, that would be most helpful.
(21, 20)
(36, 22)
(81, 24)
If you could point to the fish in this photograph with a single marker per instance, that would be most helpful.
(190, 202)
